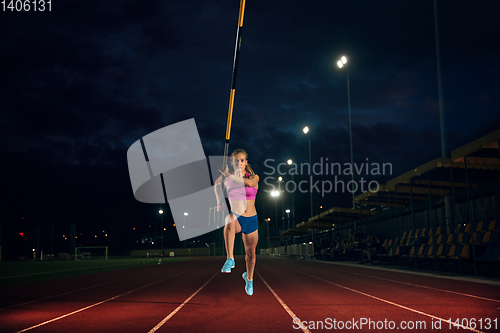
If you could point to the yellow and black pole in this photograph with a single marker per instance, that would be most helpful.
(233, 81)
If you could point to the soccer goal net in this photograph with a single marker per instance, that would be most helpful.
(91, 252)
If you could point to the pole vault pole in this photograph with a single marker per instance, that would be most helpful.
(233, 81)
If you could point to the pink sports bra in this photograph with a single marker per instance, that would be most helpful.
(240, 192)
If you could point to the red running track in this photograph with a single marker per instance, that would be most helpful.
(289, 296)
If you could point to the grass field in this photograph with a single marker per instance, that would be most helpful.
(12, 273)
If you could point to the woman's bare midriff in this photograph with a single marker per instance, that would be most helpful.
(243, 207)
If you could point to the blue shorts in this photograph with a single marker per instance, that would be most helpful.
(248, 224)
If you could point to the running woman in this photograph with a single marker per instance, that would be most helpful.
(242, 186)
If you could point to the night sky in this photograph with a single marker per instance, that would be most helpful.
(83, 82)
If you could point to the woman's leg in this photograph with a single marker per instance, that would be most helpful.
(250, 242)
(231, 228)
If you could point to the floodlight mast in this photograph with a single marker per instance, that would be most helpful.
(341, 63)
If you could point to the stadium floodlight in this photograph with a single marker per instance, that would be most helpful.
(183, 230)
(162, 229)
(306, 130)
(288, 217)
(293, 193)
(341, 63)
(275, 194)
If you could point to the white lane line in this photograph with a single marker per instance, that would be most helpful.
(389, 302)
(73, 291)
(431, 288)
(167, 318)
(287, 309)
(107, 300)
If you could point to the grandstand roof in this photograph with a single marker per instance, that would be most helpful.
(334, 215)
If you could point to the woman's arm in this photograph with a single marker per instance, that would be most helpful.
(218, 191)
(251, 181)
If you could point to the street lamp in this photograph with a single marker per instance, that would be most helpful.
(289, 162)
(275, 194)
(183, 230)
(341, 63)
(280, 179)
(155, 242)
(268, 220)
(161, 235)
(306, 130)
(288, 216)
